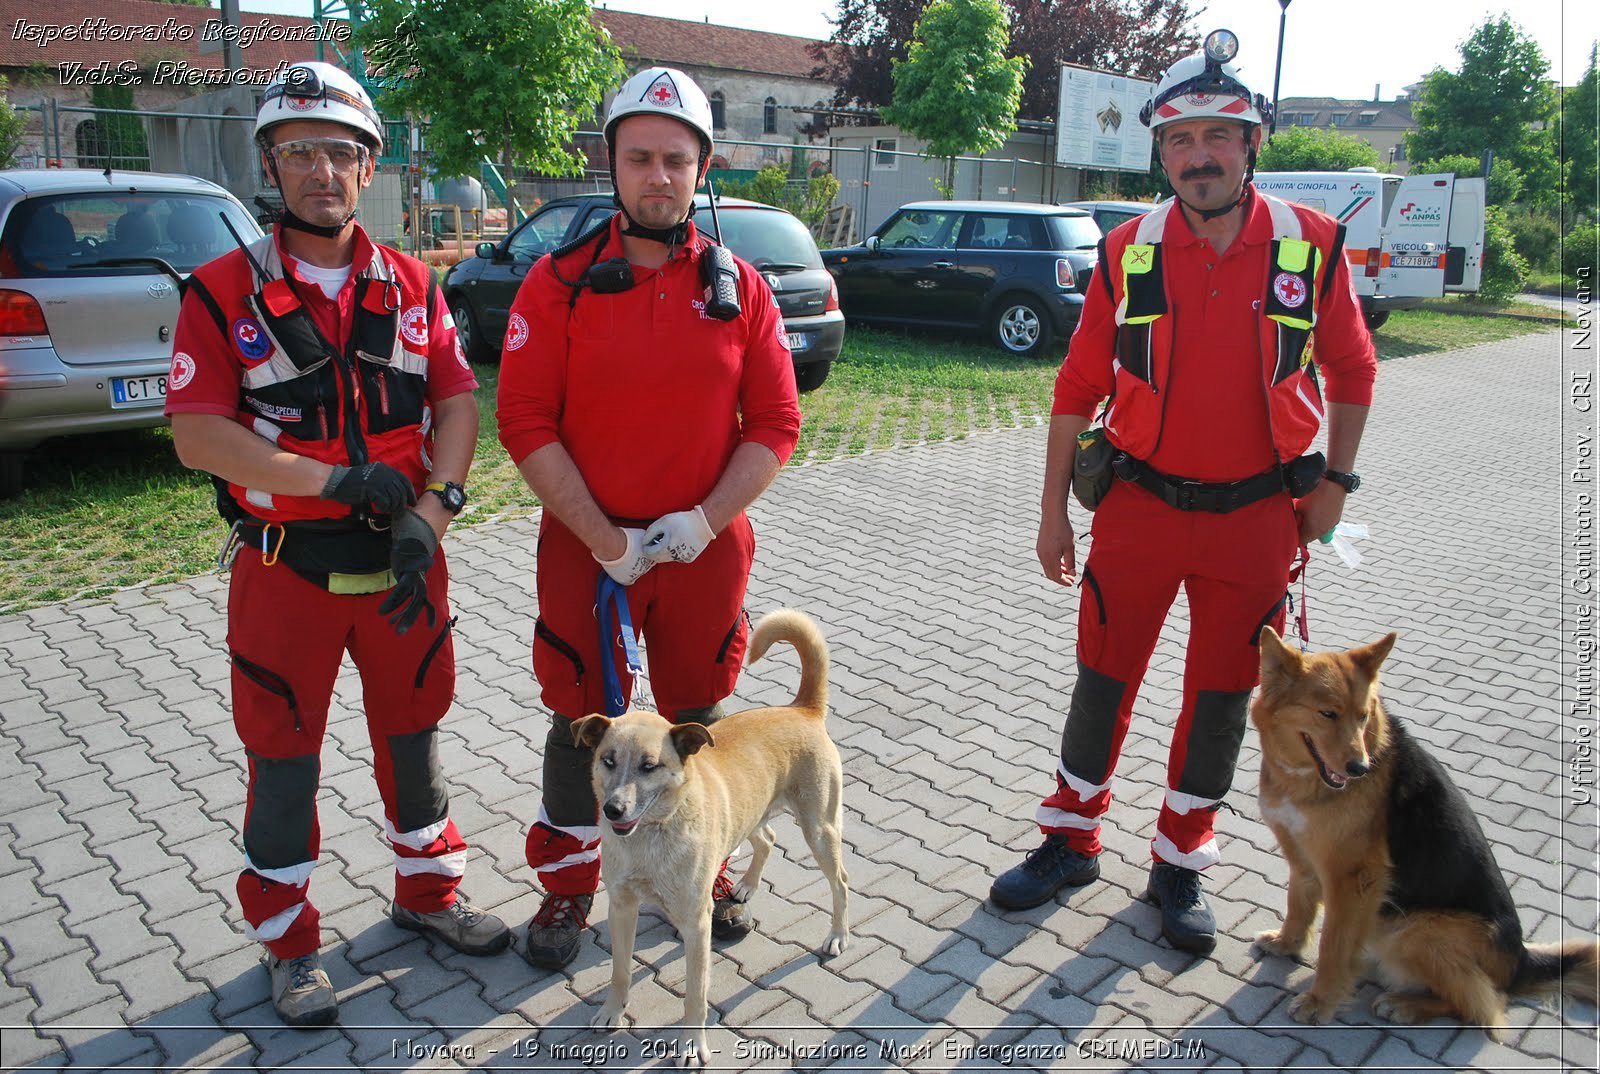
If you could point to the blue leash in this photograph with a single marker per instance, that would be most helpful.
(611, 607)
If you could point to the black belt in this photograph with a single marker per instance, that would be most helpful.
(317, 548)
(1185, 494)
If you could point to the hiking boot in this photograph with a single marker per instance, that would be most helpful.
(301, 992)
(557, 929)
(730, 919)
(1046, 870)
(461, 925)
(1186, 920)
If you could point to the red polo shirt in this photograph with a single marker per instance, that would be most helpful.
(1215, 414)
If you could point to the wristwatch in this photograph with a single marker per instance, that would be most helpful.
(451, 494)
(1345, 479)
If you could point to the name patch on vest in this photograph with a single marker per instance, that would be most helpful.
(275, 412)
(1290, 289)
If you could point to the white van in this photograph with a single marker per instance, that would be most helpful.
(1406, 237)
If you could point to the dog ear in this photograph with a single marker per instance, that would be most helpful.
(688, 738)
(588, 731)
(1370, 657)
(1278, 659)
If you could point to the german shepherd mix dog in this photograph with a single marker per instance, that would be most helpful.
(677, 800)
(1375, 832)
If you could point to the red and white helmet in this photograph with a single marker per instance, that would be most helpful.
(1205, 86)
(314, 90)
(662, 91)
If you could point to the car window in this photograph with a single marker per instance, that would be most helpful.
(1111, 218)
(597, 213)
(76, 234)
(925, 228)
(1003, 231)
(1075, 232)
(763, 237)
(542, 233)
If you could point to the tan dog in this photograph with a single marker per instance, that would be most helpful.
(1376, 833)
(678, 800)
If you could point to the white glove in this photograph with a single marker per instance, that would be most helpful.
(682, 535)
(634, 562)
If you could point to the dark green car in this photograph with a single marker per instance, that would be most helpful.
(480, 289)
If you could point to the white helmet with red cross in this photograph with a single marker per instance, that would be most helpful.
(662, 91)
(1205, 85)
(315, 90)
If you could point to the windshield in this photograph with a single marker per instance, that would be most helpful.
(762, 237)
(74, 234)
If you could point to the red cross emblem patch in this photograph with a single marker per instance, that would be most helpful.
(1290, 289)
(414, 325)
(663, 93)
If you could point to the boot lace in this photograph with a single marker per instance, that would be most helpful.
(1048, 857)
(302, 972)
(558, 909)
(722, 886)
(1183, 885)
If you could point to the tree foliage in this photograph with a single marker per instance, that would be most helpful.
(1315, 149)
(115, 140)
(509, 79)
(1498, 100)
(1580, 147)
(956, 89)
(1139, 38)
(1505, 184)
(12, 127)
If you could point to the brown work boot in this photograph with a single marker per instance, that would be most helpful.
(557, 929)
(301, 992)
(730, 919)
(461, 925)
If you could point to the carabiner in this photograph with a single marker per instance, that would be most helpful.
(268, 559)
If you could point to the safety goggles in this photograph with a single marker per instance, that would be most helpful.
(301, 155)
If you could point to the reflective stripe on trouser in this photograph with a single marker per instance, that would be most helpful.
(1234, 569)
(564, 845)
(287, 637)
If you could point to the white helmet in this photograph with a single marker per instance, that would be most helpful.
(321, 91)
(662, 91)
(1205, 86)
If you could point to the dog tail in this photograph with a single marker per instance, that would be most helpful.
(800, 630)
(1572, 967)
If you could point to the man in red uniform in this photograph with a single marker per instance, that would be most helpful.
(1201, 325)
(317, 377)
(646, 414)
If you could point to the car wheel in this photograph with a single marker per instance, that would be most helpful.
(467, 331)
(10, 474)
(1376, 319)
(809, 377)
(1021, 326)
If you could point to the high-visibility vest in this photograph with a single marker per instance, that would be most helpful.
(1304, 251)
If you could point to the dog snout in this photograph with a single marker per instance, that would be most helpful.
(613, 811)
(1358, 768)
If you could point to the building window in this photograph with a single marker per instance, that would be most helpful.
(1340, 118)
(769, 117)
(883, 155)
(1367, 118)
(719, 111)
(1400, 152)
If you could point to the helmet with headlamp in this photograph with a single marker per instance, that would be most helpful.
(1205, 85)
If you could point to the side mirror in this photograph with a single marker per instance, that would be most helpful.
(871, 244)
(486, 250)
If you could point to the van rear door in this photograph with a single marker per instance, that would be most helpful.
(1415, 238)
(1463, 263)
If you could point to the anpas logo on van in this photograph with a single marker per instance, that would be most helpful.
(1414, 215)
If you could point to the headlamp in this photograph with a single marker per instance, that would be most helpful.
(1221, 47)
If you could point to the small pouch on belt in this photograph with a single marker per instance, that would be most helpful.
(1091, 467)
(1301, 475)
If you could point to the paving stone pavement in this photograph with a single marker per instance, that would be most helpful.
(120, 790)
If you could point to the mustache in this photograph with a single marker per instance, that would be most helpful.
(1205, 171)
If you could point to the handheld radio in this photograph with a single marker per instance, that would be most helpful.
(718, 271)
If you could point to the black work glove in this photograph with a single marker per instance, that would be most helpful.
(376, 483)
(410, 556)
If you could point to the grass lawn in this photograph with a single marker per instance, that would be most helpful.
(103, 512)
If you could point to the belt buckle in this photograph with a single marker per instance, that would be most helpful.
(1186, 492)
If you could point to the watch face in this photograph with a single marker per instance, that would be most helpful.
(453, 496)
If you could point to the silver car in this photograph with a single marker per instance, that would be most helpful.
(89, 271)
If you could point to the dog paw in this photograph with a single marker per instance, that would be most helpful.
(1313, 1009)
(1273, 943)
(610, 1017)
(837, 942)
(693, 1053)
(1396, 1007)
(742, 892)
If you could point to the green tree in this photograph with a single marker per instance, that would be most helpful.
(956, 89)
(1506, 181)
(12, 127)
(1580, 147)
(115, 141)
(1500, 99)
(507, 79)
(809, 199)
(1315, 149)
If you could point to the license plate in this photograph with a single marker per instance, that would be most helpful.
(138, 391)
(799, 341)
(1413, 261)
